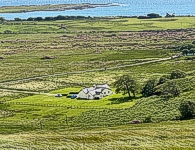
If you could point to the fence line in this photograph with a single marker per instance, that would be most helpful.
(57, 105)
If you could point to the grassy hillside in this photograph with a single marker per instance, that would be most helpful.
(27, 119)
(165, 135)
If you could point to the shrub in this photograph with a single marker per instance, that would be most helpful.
(7, 31)
(148, 88)
(186, 46)
(163, 79)
(148, 119)
(187, 109)
(177, 74)
(168, 90)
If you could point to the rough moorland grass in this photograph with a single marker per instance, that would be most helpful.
(165, 135)
(75, 49)
(132, 24)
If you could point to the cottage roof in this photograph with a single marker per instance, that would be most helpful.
(96, 89)
(86, 90)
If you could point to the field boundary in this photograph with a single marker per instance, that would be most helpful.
(54, 105)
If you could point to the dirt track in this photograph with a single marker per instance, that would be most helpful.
(78, 72)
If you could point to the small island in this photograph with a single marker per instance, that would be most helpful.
(50, 7)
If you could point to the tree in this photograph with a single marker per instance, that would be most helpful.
(60, 17)
(168, 89)
(38, 19)
(153, 15)
(126, 84)
(49, 18)
(187, 109)
(30, 19)
(192, 51)
(148, 88)
(17, 19)
(185, 51)
(2, 19)
(175, 74)
(186, 46)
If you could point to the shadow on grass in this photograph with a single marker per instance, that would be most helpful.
(123, 99)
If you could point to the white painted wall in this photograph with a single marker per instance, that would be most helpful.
(89, 96)
(82, 95)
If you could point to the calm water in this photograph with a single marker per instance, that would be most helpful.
(126, 8)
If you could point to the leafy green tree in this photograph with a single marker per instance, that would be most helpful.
(193, 42)
(17, 19)
(60, 17)
(30, 19)
(38, 19)
(168, 89)
(185, 51)
(187, 109)
(126, 84)
(175, 74)
(186, 46)
(49, 18)
(192, 51)
(149, 87)
(153, 15)
(2, 19)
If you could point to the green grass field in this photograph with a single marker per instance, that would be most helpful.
(29, 121)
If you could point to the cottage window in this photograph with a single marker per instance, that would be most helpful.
(108, 91)
(104, 92)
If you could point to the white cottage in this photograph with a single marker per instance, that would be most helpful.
(95, 92)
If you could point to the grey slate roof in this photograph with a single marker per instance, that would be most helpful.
(96, 89)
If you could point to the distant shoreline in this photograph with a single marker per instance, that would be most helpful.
(51, 7)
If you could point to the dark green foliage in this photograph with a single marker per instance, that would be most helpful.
(2, 19)
(148, 88)
(168, 89)
(187, 109)
(186, 46)
(185, 51)
(153, 15)
(163, 79)
(49, 18)
(192, 51)
(17, 19)
(148, 119)
(59, 17)
(30, 19)
(177, 74)
(7, 31)
(126, 84)
(38, 19)
(193, 42)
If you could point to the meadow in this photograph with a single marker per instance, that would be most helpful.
(100, 43)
